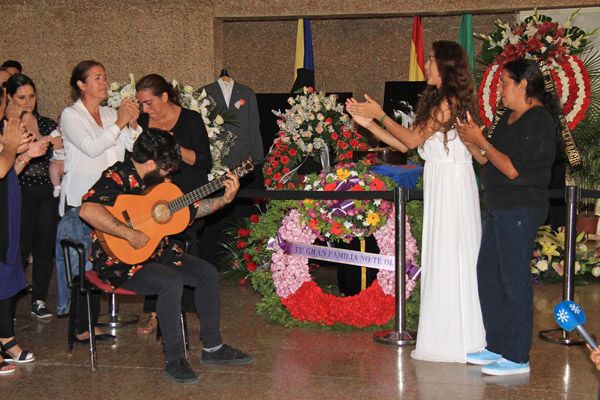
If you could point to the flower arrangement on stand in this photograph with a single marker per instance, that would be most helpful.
(290, 295)
(314, 125)
(540, 39)
(220, 140)
(548, 259)
(564, 49)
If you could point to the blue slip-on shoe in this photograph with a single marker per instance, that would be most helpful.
(505, 367)
(483, 357)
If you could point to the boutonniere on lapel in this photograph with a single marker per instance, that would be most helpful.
(240, 103)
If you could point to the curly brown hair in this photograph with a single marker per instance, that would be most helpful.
(457, 88)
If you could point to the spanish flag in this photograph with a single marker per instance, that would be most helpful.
(416, 64)
(304, 65)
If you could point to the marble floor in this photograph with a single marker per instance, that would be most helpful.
(292, 363)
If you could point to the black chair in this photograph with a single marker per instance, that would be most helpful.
(83, 287)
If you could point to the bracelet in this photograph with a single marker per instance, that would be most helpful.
(382, 119)
(484, 149)
(21, 159)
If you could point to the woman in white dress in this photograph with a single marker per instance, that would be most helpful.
(450, 322)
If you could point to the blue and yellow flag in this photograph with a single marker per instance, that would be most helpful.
(304, 65)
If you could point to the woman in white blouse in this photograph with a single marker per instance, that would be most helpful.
(95, 136)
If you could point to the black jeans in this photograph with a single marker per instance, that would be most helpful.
(167, 283)
(39, 220)
(504, 279)
(6, 317)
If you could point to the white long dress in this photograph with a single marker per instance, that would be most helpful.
(450, 321)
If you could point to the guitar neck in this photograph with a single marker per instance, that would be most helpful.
(197, 194)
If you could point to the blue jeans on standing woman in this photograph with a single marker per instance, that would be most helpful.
(70, 227)
(504, 279)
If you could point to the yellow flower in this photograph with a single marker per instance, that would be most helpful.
(308, 202)
(549, 249)
(342, 174)
(373, 219)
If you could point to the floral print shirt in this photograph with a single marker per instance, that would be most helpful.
(122, 178)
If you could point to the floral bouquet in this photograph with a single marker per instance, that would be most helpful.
(549, 254)
(345, 219)
(541, 39)
(221, 141)
(313, 125)
(538, 37)
(118, 91)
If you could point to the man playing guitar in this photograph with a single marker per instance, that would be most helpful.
(155, 155)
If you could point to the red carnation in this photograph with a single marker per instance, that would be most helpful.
(285, 159)
(336, 228)
(277, 177)
(335, 136)
(346, 134)
(254, 218)
(328, 120)
(293, 152)
(241, 244)
(243, 232)
(251, 266)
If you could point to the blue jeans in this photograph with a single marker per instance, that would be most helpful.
(504, 279)
(70, 227)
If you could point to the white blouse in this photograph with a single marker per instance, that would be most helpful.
(90, 149)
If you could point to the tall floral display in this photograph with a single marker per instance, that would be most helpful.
(314, 126)
(563, 50)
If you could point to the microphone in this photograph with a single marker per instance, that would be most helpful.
(570, 316)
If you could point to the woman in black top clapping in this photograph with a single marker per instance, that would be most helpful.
(517, 165)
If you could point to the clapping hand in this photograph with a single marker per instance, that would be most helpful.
(38, 148)
(128, 112)
(469, 132)
(133, 107)
(369, 109)
(15, 135)
(359, 119)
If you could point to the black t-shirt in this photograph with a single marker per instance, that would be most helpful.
(530, 143)
(189, 132)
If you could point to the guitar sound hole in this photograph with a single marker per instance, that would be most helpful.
(161, 213)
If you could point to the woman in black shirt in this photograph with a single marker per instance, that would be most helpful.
(161, 110)
(517, 164)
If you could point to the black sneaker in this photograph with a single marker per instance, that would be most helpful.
(180, 372)
(39, 310)
(226, 355)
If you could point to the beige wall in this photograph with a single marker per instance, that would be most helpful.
(357, 55)
(173, 38)
(190, 40)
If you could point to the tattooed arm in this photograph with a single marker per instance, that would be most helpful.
(209, 206)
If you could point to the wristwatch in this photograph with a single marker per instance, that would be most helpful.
(484, 149)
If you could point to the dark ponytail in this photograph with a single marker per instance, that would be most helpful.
(158, 85)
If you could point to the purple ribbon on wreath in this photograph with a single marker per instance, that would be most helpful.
(339, 207)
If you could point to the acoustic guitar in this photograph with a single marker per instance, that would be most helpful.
(161, 211)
